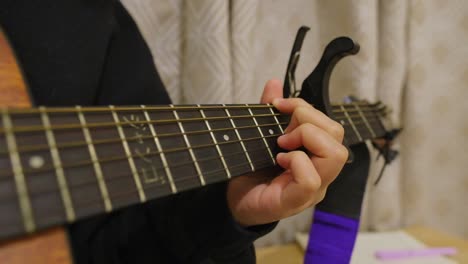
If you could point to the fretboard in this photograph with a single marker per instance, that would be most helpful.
(58, 165)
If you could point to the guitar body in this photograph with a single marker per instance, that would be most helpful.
(49, 246)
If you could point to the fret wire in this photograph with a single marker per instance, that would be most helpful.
(240, 139)
(116, 158)
(61, 180)
(276, 119)
(20, 182)
(379, 115)
(180, 180)
(346, 106)
(79, 164)
(192, 155)
(365, 103)
(131, 162)
(119, 176)
(107, 124)
(366, 124)
(361, 102)
(111, 124)
(95, 162)
(368, 111)
(359, 123)
(158, 146)
(356, 121)
(228, 172)
(261, 134)
(357, 115)
(352, 125)
(106, 141)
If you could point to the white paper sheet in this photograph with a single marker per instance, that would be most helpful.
(368, 243)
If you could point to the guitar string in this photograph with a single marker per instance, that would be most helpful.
(112, 159)
(223, 169)
(106, 109)
(148, 154)
(117, 158)
(91, 202)
(83, 163)
(158, 108)
(119, 195)
(6, 175)
(112, 124)
(161, 169)
(34, 148)
(144, 155)
(118, 177)
(260, 163)
(352, 105)
(78, 164)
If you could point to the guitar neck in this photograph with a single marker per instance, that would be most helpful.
(58, 165)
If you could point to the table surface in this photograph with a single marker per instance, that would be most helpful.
(293, 254)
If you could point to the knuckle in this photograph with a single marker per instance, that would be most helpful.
(300, 111)
(299, 101)
(337, 130)
(306, 127)
(313, 186)
(341, 154)
(299, 155)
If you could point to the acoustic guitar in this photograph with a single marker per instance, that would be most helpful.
(60, 165)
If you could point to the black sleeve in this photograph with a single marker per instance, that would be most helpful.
(190, 227)
(91, 52)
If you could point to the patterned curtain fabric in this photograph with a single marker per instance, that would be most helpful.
(413, 58)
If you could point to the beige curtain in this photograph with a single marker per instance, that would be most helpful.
(413, 58)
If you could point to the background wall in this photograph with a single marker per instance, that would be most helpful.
(413, 58)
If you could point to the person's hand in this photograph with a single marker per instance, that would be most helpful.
(253, 200)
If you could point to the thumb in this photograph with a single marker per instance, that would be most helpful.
(273, 89)
(306, 180)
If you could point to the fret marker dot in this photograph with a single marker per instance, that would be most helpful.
(342, 122)
(271, 131)
(36, 162)
(226, 137)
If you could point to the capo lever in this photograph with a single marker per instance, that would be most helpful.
(386, 151)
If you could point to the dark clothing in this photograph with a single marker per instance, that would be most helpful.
(90, 52)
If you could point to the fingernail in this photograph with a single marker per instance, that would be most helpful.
(280, 138)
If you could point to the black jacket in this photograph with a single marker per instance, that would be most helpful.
(90, 52)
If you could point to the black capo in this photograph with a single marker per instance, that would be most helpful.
(315, 87)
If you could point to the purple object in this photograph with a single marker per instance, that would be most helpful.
(410, 253)
(331, 239)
